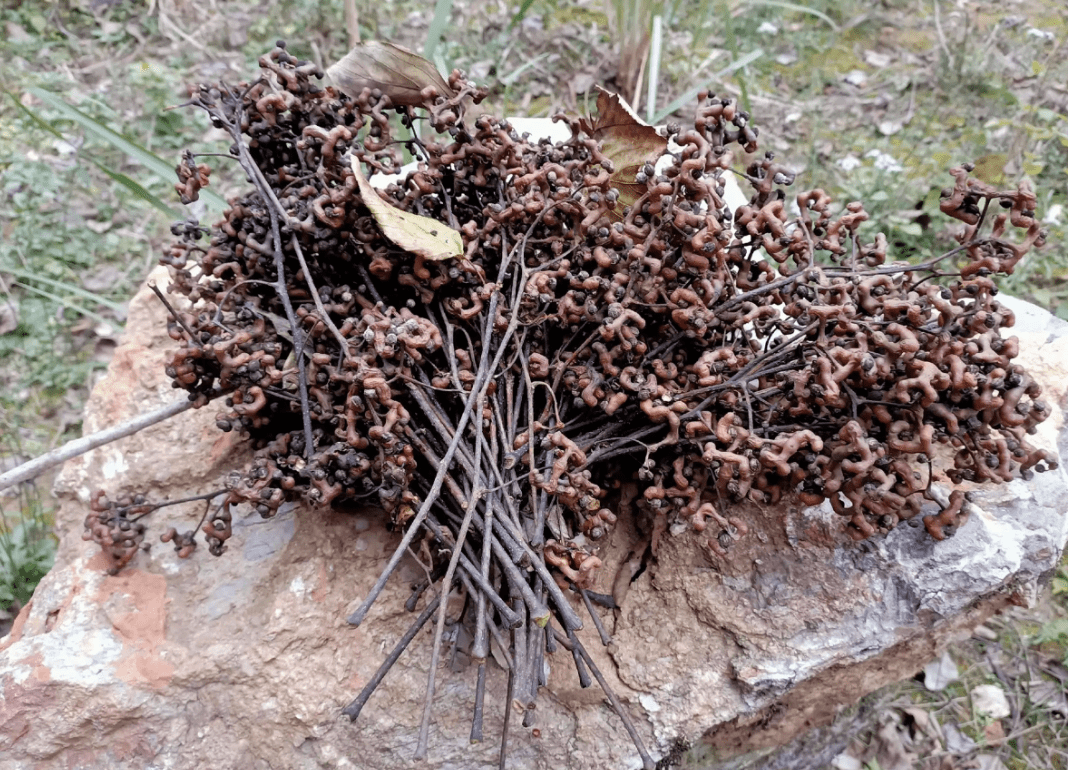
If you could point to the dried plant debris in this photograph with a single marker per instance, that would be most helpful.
(604, 323)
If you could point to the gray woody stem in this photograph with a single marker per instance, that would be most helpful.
(39, 465)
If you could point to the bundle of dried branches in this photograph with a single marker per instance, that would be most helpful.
(512, 338)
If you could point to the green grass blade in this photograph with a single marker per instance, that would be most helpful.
(513, 76)
(139, 191)
(33, 116)
(117, 176)
(27, 275)
(797, 9)
(655, 42)
(67, 303)
(520, 14)
(442, 13)
(749, 58)
(150, 160)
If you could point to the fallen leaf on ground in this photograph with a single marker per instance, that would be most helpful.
(1054, 668)
(924, 721)
(956, 741)
(399, 73)
(1048, 695)
(939, 673)
(877, 60)
(890, 748)
(423, 236)
(994, 734)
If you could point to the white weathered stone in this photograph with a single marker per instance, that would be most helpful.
(245, 661)
(989, 699)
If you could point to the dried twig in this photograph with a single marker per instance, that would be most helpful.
(79, 446)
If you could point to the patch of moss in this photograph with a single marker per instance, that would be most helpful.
(840, 60)
(916, 40)
(1055, 22)
(575, 13)
(817, 67)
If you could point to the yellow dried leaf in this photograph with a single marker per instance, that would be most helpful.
(424, 236)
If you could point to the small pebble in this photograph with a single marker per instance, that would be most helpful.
(846, 762)
(990, 699)
(856, 78)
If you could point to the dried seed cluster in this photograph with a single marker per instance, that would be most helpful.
(610, 322)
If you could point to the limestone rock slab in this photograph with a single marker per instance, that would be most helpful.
(245, 661)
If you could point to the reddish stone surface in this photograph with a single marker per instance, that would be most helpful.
(245, 661)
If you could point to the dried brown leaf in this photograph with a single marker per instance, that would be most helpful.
(1054, 668)
(890, 748)
(424, 236)
(956, 741)
(1049, 695)
(627, 142)
(400, 74)
(994, 734)
(924, 721)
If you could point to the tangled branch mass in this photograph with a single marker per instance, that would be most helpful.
(608, 339)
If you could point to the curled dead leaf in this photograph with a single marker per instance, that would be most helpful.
(921, 721)
(423, 236)
(400, 74)
(1048, 695)
(627, 142)
(939, 673)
